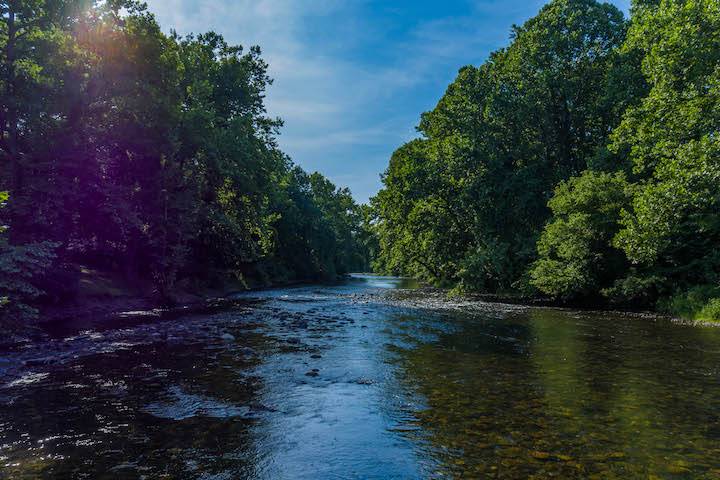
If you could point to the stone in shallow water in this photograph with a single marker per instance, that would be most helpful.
(540, 455)
(364, 381)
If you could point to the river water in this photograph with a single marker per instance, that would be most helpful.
(368, 379)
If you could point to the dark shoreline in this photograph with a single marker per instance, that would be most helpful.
(100, 312)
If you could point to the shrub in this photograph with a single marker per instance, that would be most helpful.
(699, 303)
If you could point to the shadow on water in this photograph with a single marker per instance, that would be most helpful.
(167, 407)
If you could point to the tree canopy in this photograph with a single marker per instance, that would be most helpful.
(129, 150)
(580, 162)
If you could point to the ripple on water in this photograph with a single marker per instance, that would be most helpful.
(430, 389)
(27, 379)
(183, 406)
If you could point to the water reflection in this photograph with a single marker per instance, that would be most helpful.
(179, 407)
(571, 395)
(380, 282)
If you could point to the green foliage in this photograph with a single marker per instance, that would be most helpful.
(317, 227)
(700, 303)
(670, 227)
(673, 227)
(710, 312)
(19, 267)
(637, 288)
(153, 155)
(466, 203)
(587, 150)
(576, 253)
(416, 222)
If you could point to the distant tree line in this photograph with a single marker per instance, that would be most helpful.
(129, 150)
(581, 162)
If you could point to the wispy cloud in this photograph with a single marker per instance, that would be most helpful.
(352, 76)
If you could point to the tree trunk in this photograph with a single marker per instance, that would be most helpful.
(11, 113)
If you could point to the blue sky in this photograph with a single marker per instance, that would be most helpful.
(353, 76)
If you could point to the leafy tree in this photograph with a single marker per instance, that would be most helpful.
(151, 155)
(583, 143)
(577, 258)
(19, 267)
(468, 209)
(317, 229)
(368, 244)
(415, 232)
(34, 56)
(673, 227)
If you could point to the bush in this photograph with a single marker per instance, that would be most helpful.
(699, 303)
(576, 255)
(20, 266)
(711, 312)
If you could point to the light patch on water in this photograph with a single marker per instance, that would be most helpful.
(91, 335)
(28, 379)
(120, 385)
(300, 298)
(141, 313)
(87, 442)
(53, 438)
(124, 345)
(217, 476)
(187, 405)
(74, 386)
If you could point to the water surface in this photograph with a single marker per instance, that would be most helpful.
(367, 379)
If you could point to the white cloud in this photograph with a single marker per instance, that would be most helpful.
(350, 88)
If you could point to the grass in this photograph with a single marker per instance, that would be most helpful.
(711, 311)
(699, 303)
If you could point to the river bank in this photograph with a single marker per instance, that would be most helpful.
(105, 299)
(112, 302)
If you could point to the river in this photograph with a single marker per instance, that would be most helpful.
(368, 379)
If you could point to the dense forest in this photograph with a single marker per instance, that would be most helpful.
(581, 162)
(148, 155)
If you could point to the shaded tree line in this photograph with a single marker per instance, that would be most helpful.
(129, 150)
(580, 162)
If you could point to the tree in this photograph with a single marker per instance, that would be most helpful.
(577, 257)
(498, 142)
(34, 56)
(19, 267)
(152, 156)
(672, 229)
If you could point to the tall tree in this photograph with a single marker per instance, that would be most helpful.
(672, 231)
(504, 134)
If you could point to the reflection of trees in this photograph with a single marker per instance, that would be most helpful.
(484, 411)
(574, 395)
(612, 385)
(576, 378)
